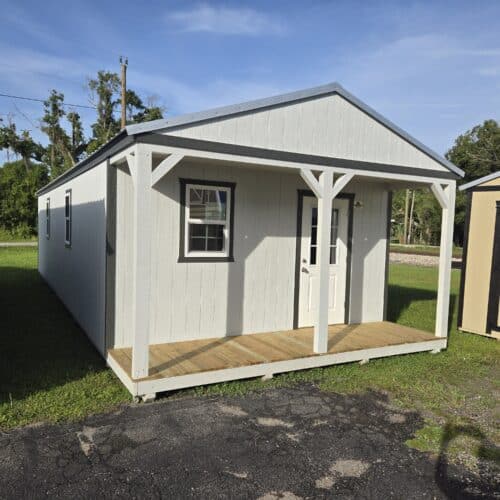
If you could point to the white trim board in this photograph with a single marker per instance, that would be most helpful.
(144, 386)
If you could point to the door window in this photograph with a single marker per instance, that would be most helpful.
(333, 236)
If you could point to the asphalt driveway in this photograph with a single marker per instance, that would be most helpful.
(280, 443)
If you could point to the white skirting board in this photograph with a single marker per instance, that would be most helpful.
(145, 386)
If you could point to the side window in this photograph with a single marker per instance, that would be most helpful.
(67, 218)
(47, 218)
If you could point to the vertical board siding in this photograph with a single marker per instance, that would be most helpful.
(77, 273)
(255, 293)
(124, 256)
(368, 252)
(329, 126)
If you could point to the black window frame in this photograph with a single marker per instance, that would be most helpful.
(47, 218)
(68, 219)
(183, 257)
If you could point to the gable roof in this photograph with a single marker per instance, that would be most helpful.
(128, 135)
(477, 182)
(167, 124)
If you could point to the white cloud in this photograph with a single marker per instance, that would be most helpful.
(226, 20)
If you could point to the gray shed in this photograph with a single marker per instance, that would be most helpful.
(242, 241)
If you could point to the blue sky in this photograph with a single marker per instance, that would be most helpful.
(432, 67)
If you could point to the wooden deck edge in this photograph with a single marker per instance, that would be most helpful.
(141, 387)
(129, 384)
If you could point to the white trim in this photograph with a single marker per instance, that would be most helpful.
(440, 195)
(445, 258)
(226, 222)
(482, 180)
(340, 184)
(252, 160)
(311, 181)
(165, 167)
(141, 287)
(122, 375)
(142, 387)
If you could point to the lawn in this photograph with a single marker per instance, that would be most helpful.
(49, 371)
(422, 249)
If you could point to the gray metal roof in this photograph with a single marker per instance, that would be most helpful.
(477, 182)
(280, 100)
(130, 132)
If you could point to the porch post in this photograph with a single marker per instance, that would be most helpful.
(323, 260)
(446, 198)
(140, 167)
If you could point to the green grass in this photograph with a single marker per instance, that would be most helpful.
(50, 372)
(422, 249)
(48, 369)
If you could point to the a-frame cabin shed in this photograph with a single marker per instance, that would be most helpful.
(240, 242)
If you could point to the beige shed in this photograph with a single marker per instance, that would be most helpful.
(479, 310)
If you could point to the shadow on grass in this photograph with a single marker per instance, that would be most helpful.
(40, 344)
(453, 486)
(401, 298)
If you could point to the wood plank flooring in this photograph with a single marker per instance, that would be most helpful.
(196, 356)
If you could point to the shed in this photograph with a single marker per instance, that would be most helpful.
(240, 242)
(479, 310)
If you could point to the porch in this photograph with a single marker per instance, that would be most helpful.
(179, 365)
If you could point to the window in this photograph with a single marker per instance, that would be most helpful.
(67, 218)
(206, 220)
(47, 218)
(333, 236)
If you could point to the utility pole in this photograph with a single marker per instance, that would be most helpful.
(124, 64)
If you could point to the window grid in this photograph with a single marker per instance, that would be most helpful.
(207, 221)
(333, 236)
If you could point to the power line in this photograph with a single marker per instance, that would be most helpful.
(42, 100)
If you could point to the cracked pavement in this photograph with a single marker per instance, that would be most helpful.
(289, 443)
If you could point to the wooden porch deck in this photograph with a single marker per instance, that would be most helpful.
(186, 364)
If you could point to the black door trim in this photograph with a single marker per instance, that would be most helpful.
(300, 206)
(494, 295)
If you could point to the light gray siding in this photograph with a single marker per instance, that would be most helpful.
(256, 292)
(77, 274)
(329, 126)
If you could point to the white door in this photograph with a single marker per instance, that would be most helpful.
(308, 262)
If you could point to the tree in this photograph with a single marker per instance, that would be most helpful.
(21, 144)
(77, 140)
(58, 152)
(18, 202)
(477, 153)
(104, 91)
(138, 112)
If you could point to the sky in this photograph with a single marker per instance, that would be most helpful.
(432, 67)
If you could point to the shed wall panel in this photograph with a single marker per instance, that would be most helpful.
(77, 273)
(192, 300)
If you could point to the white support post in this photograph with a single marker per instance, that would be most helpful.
(323, 259)
(141, 173)
(446, 198)
(325, 191)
